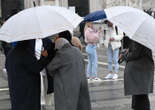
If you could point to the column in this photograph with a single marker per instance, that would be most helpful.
(29, 3)
(64, 3)
(41, 2)
(57, 3)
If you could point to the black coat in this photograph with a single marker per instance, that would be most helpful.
(24, 78)
(139, 70)
(49, 46)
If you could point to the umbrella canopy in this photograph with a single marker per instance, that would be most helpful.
(97, 15)
(137, 24)
(38, 22)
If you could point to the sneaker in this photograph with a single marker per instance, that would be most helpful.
(96, 78)
(4, 74)
(109, 76)
(4, 70)
(115, 76)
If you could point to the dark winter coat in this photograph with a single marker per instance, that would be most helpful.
(24, 77)
(139, 70)
(49, 46)
(70, 84)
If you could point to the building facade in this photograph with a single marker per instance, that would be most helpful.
(82, 7)
(92, 5)
(9, 7)
(29, 3)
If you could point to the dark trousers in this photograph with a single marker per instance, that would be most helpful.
(140, 102)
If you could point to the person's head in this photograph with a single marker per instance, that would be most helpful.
(109, 24)
(60, 43)
(76, 42)
(88, 25)
(67, 35)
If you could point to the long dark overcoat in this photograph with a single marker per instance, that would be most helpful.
(139, 70)
(49, 46)
(70, 84)
(24, 78)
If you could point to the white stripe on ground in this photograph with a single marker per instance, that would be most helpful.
(107, 80)
(4, 89)
(90, 81)
(106, 64)
(121, 79)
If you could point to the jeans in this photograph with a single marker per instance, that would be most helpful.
(113, 57)
(92, 60)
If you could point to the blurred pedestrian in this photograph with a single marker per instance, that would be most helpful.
(70, 84)
(138, 75)
(23, 70)
(91, 38)
(112, 42)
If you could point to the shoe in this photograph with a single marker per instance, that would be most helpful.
(109, 76)
(96, 78)
(4, 70)
(4, 74)
(115, 76)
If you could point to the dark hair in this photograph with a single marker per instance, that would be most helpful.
(67, 35)
(126, 42)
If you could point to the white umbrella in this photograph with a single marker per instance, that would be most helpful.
(138, 25)
(38, 22)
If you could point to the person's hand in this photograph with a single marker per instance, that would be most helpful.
(112, 39)
(44, 53)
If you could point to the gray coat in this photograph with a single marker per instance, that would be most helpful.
(70, 84)
(139, 70)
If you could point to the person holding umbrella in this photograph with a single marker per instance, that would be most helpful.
(23, 70)
(138, 74)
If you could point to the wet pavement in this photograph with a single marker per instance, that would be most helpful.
(105, 94)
